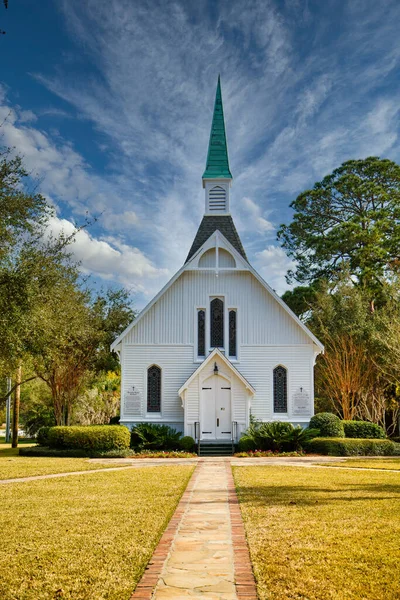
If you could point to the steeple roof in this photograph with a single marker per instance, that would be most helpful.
(217, 158)
(209, 224)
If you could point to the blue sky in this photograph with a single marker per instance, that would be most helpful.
(110, 103)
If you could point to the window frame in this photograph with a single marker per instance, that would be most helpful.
(233, 356)
(151, 413)
(280, 366)
(224, 323)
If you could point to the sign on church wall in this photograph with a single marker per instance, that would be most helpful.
(301, 402)
(133, 402)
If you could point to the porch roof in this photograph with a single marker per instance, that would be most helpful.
(227, 362)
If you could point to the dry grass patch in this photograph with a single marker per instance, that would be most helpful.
(322, 534)
(86, 536)
(390, 464)
(13, 466)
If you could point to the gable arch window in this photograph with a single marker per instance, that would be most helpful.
(154, 389)
(217, 323)
(280, 389)
(217, 198)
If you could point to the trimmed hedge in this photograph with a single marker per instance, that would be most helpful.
(363, 429)
(245, 444)
(42, 436)
(187, 443)
(93, 438)
(352, 447)
(329, 425)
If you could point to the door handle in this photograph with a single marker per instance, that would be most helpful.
(217, 422)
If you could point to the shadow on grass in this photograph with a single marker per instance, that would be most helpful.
(291, 495)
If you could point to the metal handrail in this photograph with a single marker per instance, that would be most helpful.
(197, 435)
(234, 435)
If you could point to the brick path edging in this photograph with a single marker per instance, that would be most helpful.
(246, 588)
(147, 583)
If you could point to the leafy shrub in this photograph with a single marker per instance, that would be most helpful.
(99, 438)
(265, 436)
(246, 444)
(362, 429)
(329, 425)
(37, 417)
(42, 436)
(298, 437)
(154, 436)
(352, 447)
(164, 454)
(267, 454)
(187, 443)
(114, 420)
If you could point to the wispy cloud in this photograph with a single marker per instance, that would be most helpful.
(305, 86)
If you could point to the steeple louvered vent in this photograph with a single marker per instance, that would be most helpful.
(217, 199)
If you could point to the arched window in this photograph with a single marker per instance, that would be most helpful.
(280, 390)
(201, 333)
(217, 198)
(232, 333)
(217, 323)
(154, 389)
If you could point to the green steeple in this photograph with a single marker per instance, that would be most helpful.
(217, 158)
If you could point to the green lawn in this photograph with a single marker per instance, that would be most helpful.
(13, 466)
(85, 537)
(322, 534)
(390, 464)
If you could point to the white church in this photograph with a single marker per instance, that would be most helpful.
(217, 343)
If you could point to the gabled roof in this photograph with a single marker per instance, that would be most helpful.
(227, 362)
(212, 223)
(250, 269)
(217, 158)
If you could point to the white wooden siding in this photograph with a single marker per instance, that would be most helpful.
(261, 320)
(257, 365)
(176, 364)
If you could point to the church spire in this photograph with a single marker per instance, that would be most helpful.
(217, 166)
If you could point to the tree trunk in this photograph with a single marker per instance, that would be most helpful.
(17, 398)
(372, 306)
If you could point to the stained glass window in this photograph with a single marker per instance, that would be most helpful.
(154, 389)
(232, 333)
(217, 323)
(201, 333)
(280, 390)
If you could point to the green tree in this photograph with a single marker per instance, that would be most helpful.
(113, 309)
(349, 219)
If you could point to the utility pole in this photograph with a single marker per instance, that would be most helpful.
(8, 410)
(17, 398)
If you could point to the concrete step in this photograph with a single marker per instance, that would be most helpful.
(210, 449)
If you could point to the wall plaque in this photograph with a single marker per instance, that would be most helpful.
(133, 402)
(301, 402)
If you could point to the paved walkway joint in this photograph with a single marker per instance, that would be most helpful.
(203, 553)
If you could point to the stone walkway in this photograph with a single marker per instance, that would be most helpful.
(200, 561)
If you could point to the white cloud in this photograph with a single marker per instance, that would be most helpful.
(110, 259)
(273, 263)
(294, 111)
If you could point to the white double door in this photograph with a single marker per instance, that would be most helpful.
(215, 402)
